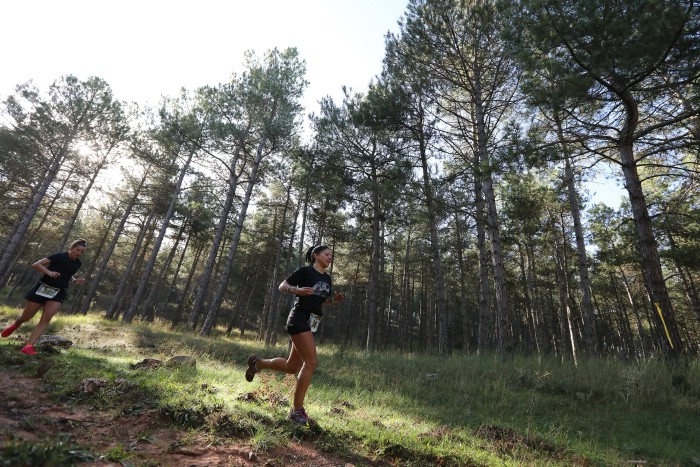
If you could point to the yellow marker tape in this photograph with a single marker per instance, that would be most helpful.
(663, 321)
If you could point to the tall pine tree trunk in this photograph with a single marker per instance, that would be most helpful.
(273, 319)
(97, 278)
(667, 331)
(29, 275)
(89, 273)
(463, 293)
(568, 334)
(148, 308)
(76, 212)
(114, 308)
(499, 272)
(233, 248)
(484, 282)
(587, 301)
(188, 283)
(372, 301)
(689, 287)
(205, 277)
(438, 276)
(14, 240)
(143, 282)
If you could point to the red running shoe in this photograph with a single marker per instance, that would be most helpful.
(28, 350)
(9, 330)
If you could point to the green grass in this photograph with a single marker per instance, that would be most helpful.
(47, 453)
(390, 407)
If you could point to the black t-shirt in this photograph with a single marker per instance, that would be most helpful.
(307, 276)
(61, 262)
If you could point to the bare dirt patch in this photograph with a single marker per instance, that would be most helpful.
(27, 413)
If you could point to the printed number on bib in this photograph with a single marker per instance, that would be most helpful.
(47, 291)
(314, 321)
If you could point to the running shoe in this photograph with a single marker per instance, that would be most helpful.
(250, 372)
(28, 350)
(9, 330)
(299, 416)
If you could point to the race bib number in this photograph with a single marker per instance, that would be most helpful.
(47, 291)
(314, 321)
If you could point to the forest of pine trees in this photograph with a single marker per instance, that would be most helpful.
(453, 190)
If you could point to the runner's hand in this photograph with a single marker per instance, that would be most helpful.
(305, 291)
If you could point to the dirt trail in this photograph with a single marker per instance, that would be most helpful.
(27, 413)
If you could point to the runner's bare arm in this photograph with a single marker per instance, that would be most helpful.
(41, 267)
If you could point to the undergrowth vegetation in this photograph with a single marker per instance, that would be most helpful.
(376, 408)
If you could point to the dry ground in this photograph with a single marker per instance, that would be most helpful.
(27, 413)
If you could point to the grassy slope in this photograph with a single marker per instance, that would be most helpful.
(389, 407)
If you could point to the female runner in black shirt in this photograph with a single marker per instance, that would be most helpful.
(50, 291)
(312, 287)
